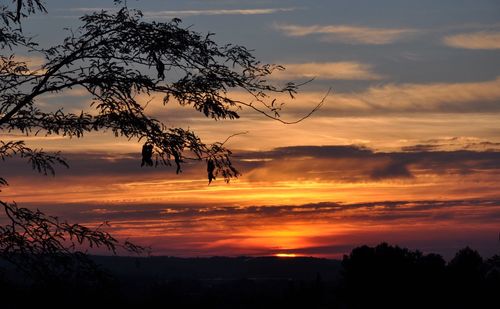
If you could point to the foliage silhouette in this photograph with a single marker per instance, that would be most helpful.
(392, 277)
(116, 57)
(46, 250)
(466, 276)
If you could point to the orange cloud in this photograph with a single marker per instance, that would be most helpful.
(474, 40)
(346, 70)
(459, 97)
(349, 34)
(433, 97)
(285, 175)
(33, 63)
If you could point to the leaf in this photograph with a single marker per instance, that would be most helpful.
(210, 170)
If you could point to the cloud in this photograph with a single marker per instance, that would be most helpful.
(474, 40)
(294, 175)
(349, 34)
(433, 97)
(349, 163)
(23, 137)
(383, 98)
(33, 63)
(420, 148)
(455, 143)
(181, 13)
(180, 212)
(265, 11)
(395, 169)
(87, 9)
(324, 228)
(70, 12)
(346, 70)
(355, 164)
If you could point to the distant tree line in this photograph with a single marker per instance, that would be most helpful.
(383, 276)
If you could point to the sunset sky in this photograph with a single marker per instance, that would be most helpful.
(406, 148)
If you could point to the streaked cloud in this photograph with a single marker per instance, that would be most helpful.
(382, 209)
(432, 97)
(345, 70)
(322, 229)
(455, 143)
(183, 13)
(348, 33)
(344, 163)
(474, 40)
(380, 98)
(180, 13)
(297, 174)
(355, 164)
(87, 9)
(33, 63)
(24, 137)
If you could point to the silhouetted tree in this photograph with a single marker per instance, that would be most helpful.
(115, 57)
(492, 277)
(465, 275)
(466, 262)
(390, 277)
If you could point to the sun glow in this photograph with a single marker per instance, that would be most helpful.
(286, 255)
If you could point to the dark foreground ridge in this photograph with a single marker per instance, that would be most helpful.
(369, 277)
(220, 268)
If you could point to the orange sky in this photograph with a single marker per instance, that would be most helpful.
(305, 200)
(405, 149)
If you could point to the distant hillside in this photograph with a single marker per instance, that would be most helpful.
(220, 268)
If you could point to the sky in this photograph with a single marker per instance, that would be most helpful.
(406, 148)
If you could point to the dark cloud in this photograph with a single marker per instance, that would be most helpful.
(489, 146)
(363, 163)
(420, 148)
(453, 144)
(334, 151)
(341, 163)
(392, 170)
(91, 164)
(182, 214)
